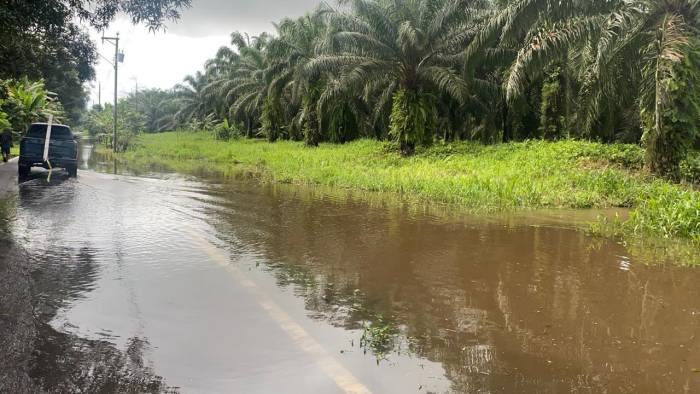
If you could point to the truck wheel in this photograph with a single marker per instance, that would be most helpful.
(73, 171)
(23, 170)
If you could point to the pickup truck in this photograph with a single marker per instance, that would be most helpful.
(63, 149)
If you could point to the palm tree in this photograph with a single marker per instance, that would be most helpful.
(637, 49)
(401, 54)
(157, 107)
(288, 54)
(238, 79)
(221, 70)
(499, 39)
(191, 100)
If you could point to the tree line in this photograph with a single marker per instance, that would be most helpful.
(414, 71)
(44, 42)
(146, 110)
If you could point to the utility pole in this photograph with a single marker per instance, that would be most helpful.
(99, 94)
(118, 57)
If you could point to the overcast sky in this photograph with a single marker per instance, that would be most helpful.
(162, 59)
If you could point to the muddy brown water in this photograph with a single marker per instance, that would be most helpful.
(200, 285)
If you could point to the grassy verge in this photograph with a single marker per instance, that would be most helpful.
(528, 175)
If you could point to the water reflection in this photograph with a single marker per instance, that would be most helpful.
(503, 308)
(38, 358)
(86, 149)
(47, 274)
(62, 276)
(91, 159)
(16, 318)
(66, 363)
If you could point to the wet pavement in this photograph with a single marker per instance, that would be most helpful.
(196, 285)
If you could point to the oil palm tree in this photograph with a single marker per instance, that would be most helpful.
(400, 54)
(238, 79)
(499, 40)
(289, 53)
(191, 100)
(157, 107)
(221, 72)
(628, 49)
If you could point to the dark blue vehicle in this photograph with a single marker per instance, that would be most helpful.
(63, 149)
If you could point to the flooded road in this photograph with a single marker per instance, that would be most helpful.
(194, 285)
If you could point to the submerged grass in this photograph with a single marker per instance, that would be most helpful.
(506, 177)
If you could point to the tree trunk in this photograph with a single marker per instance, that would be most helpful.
(407, 148)
(504, 119)
(311, 128)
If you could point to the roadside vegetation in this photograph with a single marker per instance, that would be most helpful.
(47, 40)
(47, 57)
(470, 175)
(148, 109)
(23, 102)
(419, 71)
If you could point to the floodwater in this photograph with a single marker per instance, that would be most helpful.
(174, 283)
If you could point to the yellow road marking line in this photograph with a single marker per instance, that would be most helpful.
(343, 378)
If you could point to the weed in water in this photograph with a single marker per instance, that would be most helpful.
(378, 336)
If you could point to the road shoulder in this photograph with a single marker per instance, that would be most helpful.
(8, 176)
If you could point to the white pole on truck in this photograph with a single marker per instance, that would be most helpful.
(48, 137)
(47, 140)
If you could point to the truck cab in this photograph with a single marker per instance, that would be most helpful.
(63, 149)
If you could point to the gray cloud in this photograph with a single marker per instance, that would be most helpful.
(221, 17)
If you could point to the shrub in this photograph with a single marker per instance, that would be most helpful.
(671, 212)
(225, 131)
(690, 168)
(4, 122)
(668, 142)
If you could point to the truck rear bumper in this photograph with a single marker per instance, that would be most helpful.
(55, 162)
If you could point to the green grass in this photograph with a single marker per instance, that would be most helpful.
(506, 177)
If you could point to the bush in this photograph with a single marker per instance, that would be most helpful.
(4, 122)
(670, 212)
(627, 156)
(690, 168)
(223, 131)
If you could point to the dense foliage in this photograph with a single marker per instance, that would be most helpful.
(41, 39)
(418, 70)
(23, 102)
